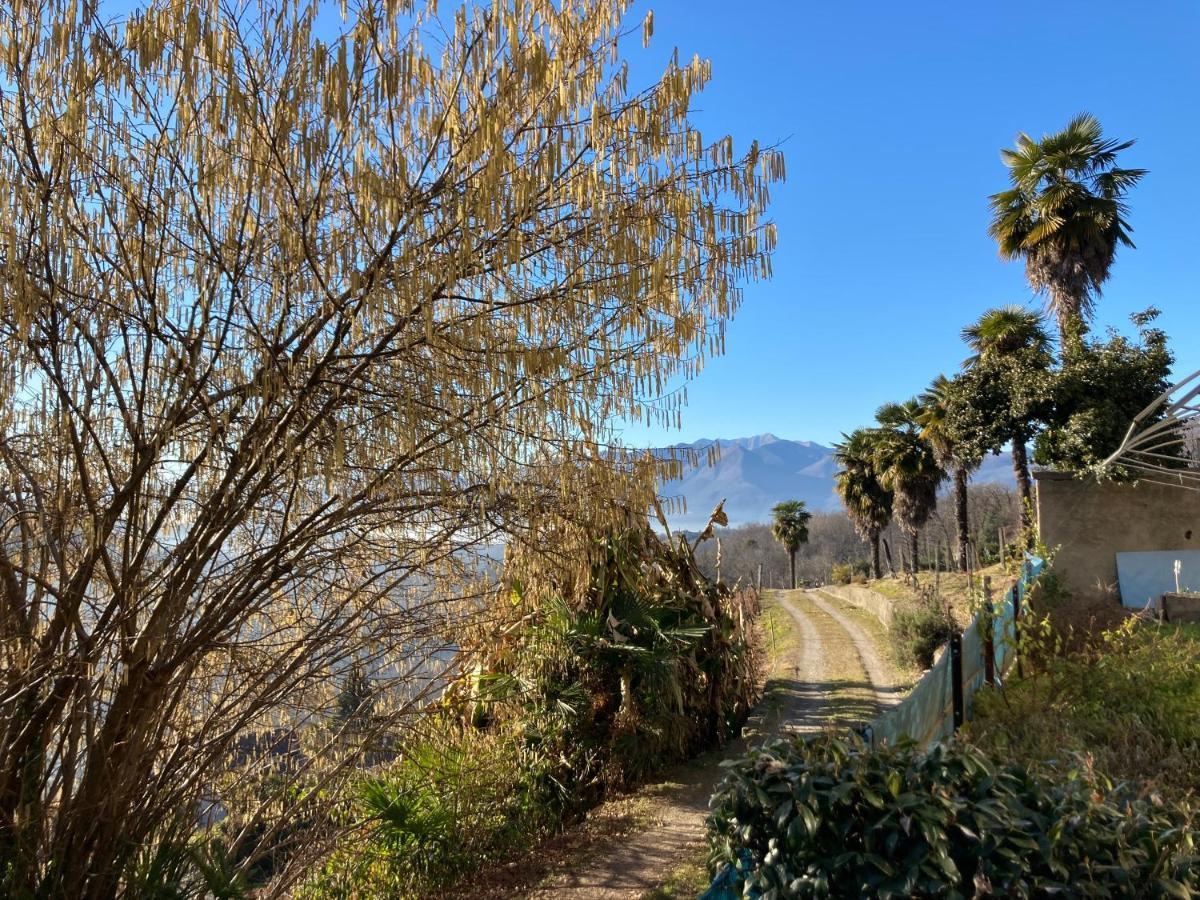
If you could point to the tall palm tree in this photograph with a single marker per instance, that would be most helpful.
(908, 467)
(790, 528)
(1011, 344)
(953, 453)
(1064, 215)
(868, 503)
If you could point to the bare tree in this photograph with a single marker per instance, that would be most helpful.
(831, 541)
(292, 326)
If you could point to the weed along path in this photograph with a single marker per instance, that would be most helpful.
(827, 666)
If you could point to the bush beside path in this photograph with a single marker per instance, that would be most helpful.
(828, 665)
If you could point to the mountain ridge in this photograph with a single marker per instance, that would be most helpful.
(754, 473)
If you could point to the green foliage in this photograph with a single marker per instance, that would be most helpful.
(1064, 215)
(1131, 700)
(918, 630)
(952, 448)
(355, 701)
(180, 865)
(455, 800)
(955, 450)
(868, 502)
(1004, 330)
(1097, 392)
(646, 664)
(841, 573)
(790, 527)
(790, 524)
(653, 664)
(832, 818)
(906, 465)
(1004, 389)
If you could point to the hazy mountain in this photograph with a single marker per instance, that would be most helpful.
(752, 474)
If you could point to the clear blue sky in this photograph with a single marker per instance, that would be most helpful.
(892, 116)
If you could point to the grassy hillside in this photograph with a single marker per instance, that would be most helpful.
(954, 589)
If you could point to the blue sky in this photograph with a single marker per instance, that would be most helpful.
(891, 118)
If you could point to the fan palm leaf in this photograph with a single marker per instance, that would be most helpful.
(1064, 215)
(868, 503)
(908, 467)
(790, 527)
(951, 451)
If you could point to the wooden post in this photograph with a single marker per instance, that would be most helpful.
(956, 679)
(989, 641)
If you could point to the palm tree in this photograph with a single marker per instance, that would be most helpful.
(1064, 216)
(953, 453)
(1006, 329)
(1011, 344)
(867, 502)
(790, 528)
(908, 467)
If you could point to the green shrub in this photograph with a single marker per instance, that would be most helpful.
(832, 818)
(1131, 700)
(455, 800)
(841, 573)
(583, 687)
(917, 631)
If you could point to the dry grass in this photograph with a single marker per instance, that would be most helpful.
(903, 677)
(689, 879)
(953, 588)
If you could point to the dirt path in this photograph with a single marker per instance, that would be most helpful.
(827, 668)
(888, 682)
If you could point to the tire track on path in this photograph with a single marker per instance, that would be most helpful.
(804, 709)
(879, 672)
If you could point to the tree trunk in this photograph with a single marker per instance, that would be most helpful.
(792, 558)
(1024, 484)
(876, 573)
(913, 548)
(960, 512)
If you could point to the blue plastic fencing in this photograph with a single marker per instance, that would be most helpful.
(926, 715)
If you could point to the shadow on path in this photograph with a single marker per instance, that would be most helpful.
(833, 676)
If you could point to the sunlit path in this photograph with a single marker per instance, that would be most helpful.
(827, 669)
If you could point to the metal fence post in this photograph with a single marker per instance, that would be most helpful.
(956, 679)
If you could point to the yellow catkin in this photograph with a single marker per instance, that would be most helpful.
(296, 319)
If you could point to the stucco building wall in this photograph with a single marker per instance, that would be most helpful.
(1090, 523)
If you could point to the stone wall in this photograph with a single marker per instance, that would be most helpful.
(864, 598)
(1089, 523)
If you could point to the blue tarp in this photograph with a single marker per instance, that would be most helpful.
(1146, 575)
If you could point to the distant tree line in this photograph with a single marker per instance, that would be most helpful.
(833, 540)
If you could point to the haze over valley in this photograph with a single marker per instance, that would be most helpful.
(752, 474)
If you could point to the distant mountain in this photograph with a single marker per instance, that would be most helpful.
(754, 473)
